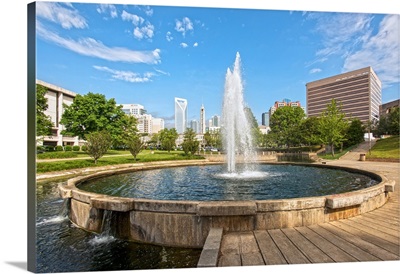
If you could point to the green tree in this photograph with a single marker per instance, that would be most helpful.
(93, 112)
(43, 122)
(98, 143)
(389, 123)
(134, 144)
(285, 125)
(213, 139)
(333, 126)
(354, 133)
(154, 140)
(255, 130)
(190, 144)
(168, 138)
(309, 130)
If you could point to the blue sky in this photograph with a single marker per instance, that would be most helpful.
(149, 54)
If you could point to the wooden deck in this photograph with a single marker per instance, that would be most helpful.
(373, 236)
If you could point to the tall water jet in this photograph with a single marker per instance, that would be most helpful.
(237, 131)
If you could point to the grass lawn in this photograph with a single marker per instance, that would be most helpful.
(144, 156)
(386, 149)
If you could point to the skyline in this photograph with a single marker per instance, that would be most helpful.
(141, 54)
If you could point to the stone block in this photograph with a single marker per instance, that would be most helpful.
(389, 186)
(113, 203)
(226, 208)
(165, 206)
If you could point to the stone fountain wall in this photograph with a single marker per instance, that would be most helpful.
(187, 223)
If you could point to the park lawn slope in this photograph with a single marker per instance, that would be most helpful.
(386, 150)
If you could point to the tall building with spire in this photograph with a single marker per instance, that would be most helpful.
(181, 115)
(202, 120)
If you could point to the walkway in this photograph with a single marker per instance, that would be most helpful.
(373, 236)
(355, 153)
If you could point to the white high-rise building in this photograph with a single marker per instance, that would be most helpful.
(202, 120)
(158, 125)
(181, 114)
(133, 109)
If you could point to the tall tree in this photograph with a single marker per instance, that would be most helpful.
(255, 130)
(168, 138)
(309, 130)
(332, 125)
(43, 122)
(389, 123)
(354, 133)
(285, 124)
(93, 112)
(190, 144)
(135, 144)
(98, 143)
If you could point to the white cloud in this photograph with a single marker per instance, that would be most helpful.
(65, 15)
(341, 33)
(196, 44)
(127, 76)
(142, 29)
(148, 11)
(184, 25)
(90, 47)
(169, 37)
(135, 19)
(315, 70)
(107, 8)
(381, 51)
(146, 31)
(183, 45)
(162, 72)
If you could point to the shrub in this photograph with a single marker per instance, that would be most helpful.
(84, 148)
(59, 148)
(68, 148)
(76, 148)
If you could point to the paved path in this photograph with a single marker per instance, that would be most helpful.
(355, 153)
(373, 236)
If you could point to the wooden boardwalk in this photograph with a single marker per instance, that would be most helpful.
(373, 236)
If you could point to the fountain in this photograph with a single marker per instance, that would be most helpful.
(237, 137)
(158, 202)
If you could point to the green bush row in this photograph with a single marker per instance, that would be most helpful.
(61, 148)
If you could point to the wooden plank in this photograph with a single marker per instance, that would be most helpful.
(381, 222)
(230, 250)
(382, 243)
(390, 212)
(313, 253)
(337, 254)
(249, 251)
(374, 230)
(345, 245)
(268, 248)
(291, 253)
(357, 241)
(383, 218)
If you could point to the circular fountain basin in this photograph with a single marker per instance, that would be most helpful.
(184, 220)
(213, 183)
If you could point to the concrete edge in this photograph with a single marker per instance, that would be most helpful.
(210, 253)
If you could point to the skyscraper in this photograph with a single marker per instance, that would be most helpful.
(202, 120)
(358, 91)
(181, 114)
(265, 119)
